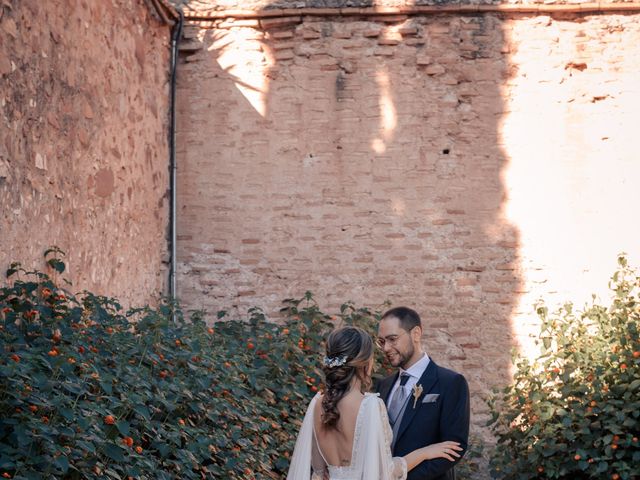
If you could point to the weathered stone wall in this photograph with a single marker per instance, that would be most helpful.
(84, 141)
(201, 6)
(462, 165)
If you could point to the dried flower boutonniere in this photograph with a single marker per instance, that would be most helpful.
(417, 391)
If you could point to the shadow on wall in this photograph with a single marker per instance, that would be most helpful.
(360, 158)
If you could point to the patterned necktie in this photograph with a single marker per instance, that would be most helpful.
(398, 399)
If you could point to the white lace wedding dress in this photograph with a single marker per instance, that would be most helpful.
(371, 454)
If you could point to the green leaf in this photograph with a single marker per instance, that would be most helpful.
(62, 463)
(114, 452)
(57, 265)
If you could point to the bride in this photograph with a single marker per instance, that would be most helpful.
(345, 434)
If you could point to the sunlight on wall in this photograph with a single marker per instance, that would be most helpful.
(244, 60)
(571, 179)
(388, 115)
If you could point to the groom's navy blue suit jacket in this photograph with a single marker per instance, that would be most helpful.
(445, 416)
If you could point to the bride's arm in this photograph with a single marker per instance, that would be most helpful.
(447, 450)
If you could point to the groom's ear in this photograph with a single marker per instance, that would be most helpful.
(416, 334)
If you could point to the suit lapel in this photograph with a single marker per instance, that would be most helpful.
(428, 380)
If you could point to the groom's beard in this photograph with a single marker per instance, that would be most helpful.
(403, 357)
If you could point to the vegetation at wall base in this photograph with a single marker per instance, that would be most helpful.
(88, 391)
(574, 412)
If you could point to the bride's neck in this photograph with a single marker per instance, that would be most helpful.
(355, 385)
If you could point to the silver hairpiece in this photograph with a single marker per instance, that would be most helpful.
(333, 362)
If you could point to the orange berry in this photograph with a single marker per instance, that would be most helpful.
(181, 422)
(540, 469)
(227, 365)
(46, 292)
(616, 438)
(247, 471)
(178, 343)
(109, 330)
(615, 476)
(57, 336)
(285, 331)
(71, 360)
(33, 408)
(163, 374)
(636, 354)
(109, 420)
(81, 349)
(614, 447)
(52, 353)
(623, 366)
(6, 475)
(6, 310)
(250, 346)
(15, 358)
(138, 449)
(210, 331)
(314, 388)
(45, 419)
(593, 403)
(577, 457)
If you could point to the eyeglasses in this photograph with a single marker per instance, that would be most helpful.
(391, 340)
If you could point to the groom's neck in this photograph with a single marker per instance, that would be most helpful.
(417, 355)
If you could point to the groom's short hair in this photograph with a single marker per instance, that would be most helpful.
(408, 318)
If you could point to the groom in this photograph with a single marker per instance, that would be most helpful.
(426, 403)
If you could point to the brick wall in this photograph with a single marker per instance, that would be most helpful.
(463, 165)
(84, 141)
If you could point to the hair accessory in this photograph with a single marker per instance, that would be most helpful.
(333, 362)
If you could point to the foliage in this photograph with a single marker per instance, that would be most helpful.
(90, 391)
(574, 412)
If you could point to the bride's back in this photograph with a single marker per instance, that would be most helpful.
(336, 443)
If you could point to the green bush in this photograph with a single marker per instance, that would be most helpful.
(90, 391)
(574, 412)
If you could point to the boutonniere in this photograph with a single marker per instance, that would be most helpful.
(417, 391)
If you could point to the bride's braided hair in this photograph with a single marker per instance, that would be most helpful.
(355, 346)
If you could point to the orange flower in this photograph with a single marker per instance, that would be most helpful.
(636, 354)
(178, 343)
(138, 449)
(163, 374)
(285, 331)
(46, 292)
(45, 419)
(109, 420)
(623, 366)
(181, 422)
(210, 330)
(128, 441)
(6, 310)
(109, 330)
(57, 335)
(6, 475)
(33, 408)
(53, 352)
(15, 358)
(81, 349)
